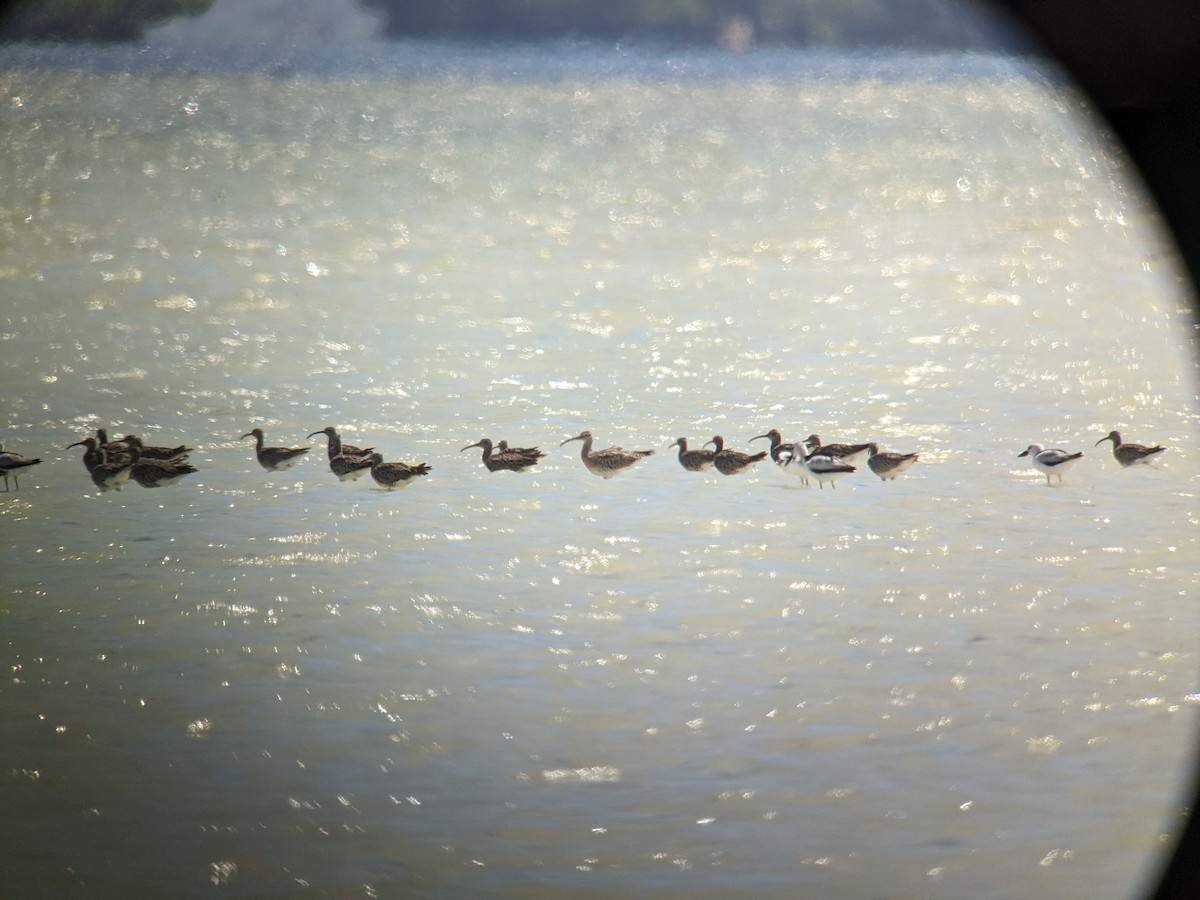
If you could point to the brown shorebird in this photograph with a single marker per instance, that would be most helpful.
(337, 448)
(780, 451)
(889, 465)
(1050, 461)
(1130, 454)
(524, 451)
(826, 468)
(608, 462)
(92, 455)
(107, 474)
(394, 475)
(847, 453)
(693, 460)
(732, 462)
(274, 459)
(12, 463)
(116, 452)
(511, 459)
(351, 468)
(153, 473)
(148, 471)
(147, 452)
(788, 457)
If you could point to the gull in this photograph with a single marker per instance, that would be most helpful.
(826, 468)
(1050, 461)
(11, 463)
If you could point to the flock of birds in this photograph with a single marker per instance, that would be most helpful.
(112, 464)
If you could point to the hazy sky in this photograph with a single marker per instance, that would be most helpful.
(271, 21)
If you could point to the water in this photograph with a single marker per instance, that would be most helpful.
(961, 683)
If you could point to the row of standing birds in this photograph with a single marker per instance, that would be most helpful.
(113, 463)
(812, 458)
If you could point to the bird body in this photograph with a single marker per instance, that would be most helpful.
(533, 452)
(12, 463)
(827, 468)
(847, 453)
(780, 451)
(393, 475)
(350, 468)
(92, 455)
(1052, 461)
(1130, 454)
(117, 453)
(347, 462)
(337, 448)
(889, 465)
(153, 473)
(733, 462)
(788, 457)
(512, 459)
(108, 473)
(146, 452)
(693, 460)
(274, 459)
(608, 462)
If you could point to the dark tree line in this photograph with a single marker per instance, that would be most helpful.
(99, 21)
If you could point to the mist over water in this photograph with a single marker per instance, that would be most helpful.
(964, 682)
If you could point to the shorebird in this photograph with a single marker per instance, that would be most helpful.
(1130, 454)
(608, 462)
(1050, 461)
(732, 462)
(116, 453)
(337, 448)
(826, 468)
(511, 459)
(847, 453)
(147, 452)
(524, 451)
(274, 459)
(10, 464)
(785, 454)
(109, 448)
(393, 475)
(92, 455)
(888, 465)
(693, 460)
(107, 474)
(351, 468)
(153, 473)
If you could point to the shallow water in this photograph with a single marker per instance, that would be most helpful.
(962, 682)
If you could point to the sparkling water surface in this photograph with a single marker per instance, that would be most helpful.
(961, 683)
